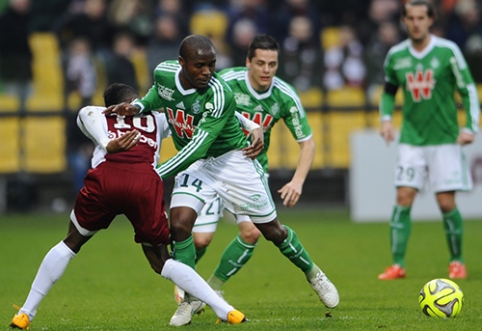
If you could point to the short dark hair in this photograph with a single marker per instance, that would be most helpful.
(429, 5)
(193, 43)
(262, 41)
(117, 93)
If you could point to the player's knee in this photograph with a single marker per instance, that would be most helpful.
(275, 232)
(250, 235)
(201, 241)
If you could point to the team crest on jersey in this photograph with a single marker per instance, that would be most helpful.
(165, 92)
(274, 109)
(420, 84)
(435, 63)
(196, 107)
(242, 99)
(402, 63)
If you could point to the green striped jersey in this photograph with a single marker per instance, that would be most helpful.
(202, 122)
(429, 79)
(280, 101)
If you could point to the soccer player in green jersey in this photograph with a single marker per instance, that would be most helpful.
(265, 99)
(210, 161)
(429, 69)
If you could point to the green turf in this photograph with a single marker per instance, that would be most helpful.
(109, 285)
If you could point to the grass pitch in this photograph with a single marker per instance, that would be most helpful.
(110, 286)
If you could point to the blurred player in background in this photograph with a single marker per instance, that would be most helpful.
(265, 99)
(429, 69)
(200, 107)
(122, 181)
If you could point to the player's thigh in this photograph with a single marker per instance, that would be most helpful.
(448, 169)
(208, 218)
(243, 187)
(411, 167)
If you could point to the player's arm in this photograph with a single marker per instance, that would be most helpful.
(387, 102)
(468, 92)
(92, 123)
(257, 144)
(206, 132)
(295, 118)
(291, 192)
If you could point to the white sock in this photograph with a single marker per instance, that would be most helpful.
(50, 270)
(189, 280)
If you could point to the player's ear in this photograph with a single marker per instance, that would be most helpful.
(181, 61)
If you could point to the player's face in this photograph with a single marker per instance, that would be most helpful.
(417, 22)
(197, 70)
(262, 68)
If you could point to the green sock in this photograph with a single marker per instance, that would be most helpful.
(454, 230)
(199, 253)
(294, 250)
(215, 283)
(184, 251)
(400, 227)
(234, 258)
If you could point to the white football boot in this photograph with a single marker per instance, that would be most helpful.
(325, 290)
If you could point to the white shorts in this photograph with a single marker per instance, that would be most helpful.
(444, 166)
(239, 181)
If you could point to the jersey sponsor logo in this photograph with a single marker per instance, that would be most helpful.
(145, 124)
(182, 123)
(402, 63)
(265, 122)
(420, 84)
(242, 99)
(165, 92)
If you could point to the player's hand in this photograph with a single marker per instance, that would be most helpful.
(122, 109)
(290, 194)
(387, 131)
(465, 138)
(256, 147)
(123, 143)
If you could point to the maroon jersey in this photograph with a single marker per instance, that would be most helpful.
(126, 182)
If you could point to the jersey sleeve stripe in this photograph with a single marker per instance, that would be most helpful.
(183, 154)
(285, 89)
(219, 98)
(474, 107)
(455, 50)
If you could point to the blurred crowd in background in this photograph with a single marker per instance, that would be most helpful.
(325, 46)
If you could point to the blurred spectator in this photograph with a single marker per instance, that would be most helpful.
(80, 74)
(176, 10)
(243, 32)
(300, 57)
(133, 16)
(165, 41)
(386, 36)
(90, 24)
(255, 11)
(223, 54)
(15, 52)
(46, 13)
(464, 23)
(119, 67)
(289, 9)
(344, 62)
